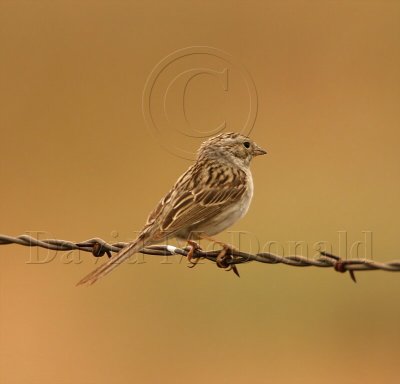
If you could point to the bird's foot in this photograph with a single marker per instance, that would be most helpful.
(193, 246)
(226, 254)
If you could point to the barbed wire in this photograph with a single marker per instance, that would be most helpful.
(98, 247)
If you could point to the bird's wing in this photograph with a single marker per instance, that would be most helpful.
(202, 192)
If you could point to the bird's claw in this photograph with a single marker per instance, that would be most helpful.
(193, 246)
(223, 256)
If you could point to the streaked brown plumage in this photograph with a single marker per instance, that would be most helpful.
(208, 198)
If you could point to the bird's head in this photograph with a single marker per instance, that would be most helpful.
(232, 147)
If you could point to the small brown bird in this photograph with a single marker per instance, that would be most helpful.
(208, 198)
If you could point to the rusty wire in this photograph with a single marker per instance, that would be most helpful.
(99, 247)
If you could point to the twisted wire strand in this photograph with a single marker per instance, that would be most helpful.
(99, 247)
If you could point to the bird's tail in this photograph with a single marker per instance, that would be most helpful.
(120, 257)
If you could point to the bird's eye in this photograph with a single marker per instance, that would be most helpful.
(246, 144)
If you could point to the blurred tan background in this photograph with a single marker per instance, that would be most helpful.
(78, 161)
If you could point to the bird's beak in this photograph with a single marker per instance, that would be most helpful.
(257, 151)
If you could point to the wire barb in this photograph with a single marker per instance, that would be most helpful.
(99, 248)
